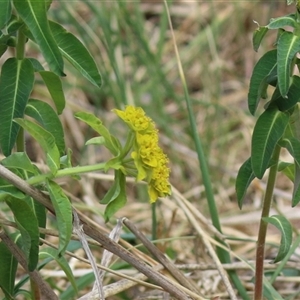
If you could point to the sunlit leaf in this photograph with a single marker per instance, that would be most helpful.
(285, 228)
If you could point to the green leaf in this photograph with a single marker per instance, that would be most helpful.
(288, 169)
(46, 140)
(268, 130)
(293, 146)
(287, 47)
(16, 83)
(292, 97)
(63, 212)
(5, 12)
(284, 226)
(263, 68)
(244, 178)
(43, 113)
(20, 160)
(76, 53)
(99, 140)
(3, 49)
(119, 200)
(62, 262)
(296, 187)
(37, 66)
(83, 282)
(28, 226)
(8, 190)
(13, 25)
(34, 15)
(289, 20)
(8, 268)
(258, 36)
(55, 89)
(113, 192)
(111, 142)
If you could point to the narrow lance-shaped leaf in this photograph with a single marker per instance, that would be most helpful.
(76, 53)
(119, 199)
(258, 36)
(296, 187)
(34, 14)
(268, 130)
(287, 46)
(288, 169)
(63, 212)
(289, 20)
(55, 89)
(293, 146)
(46, 140)
(8, 268)
(244, 178)
(62, 262)
(28, 226)
(260, 72)
(5, 12)
(111, 142)
(293, 95)
(20, 160)
(285, 228)
(16, 83)
(43, 113)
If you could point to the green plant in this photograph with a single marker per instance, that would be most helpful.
(21, 22)
(277, 127)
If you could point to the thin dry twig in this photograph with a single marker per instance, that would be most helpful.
(90, 230)
(178, 275)
(44, 288)
(206, 242)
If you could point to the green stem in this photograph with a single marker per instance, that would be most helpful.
(20, 51)
(66, 172)
(154, 220)
(222, 253)
(261, 240)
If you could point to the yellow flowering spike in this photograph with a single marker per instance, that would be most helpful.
(149, 159)
(135, 118)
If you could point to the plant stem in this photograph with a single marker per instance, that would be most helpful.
(66, 172)
(222, 254)
(154, 220)
(261, 240)
(20, 51)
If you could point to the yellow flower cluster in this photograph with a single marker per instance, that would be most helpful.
(149, 159)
